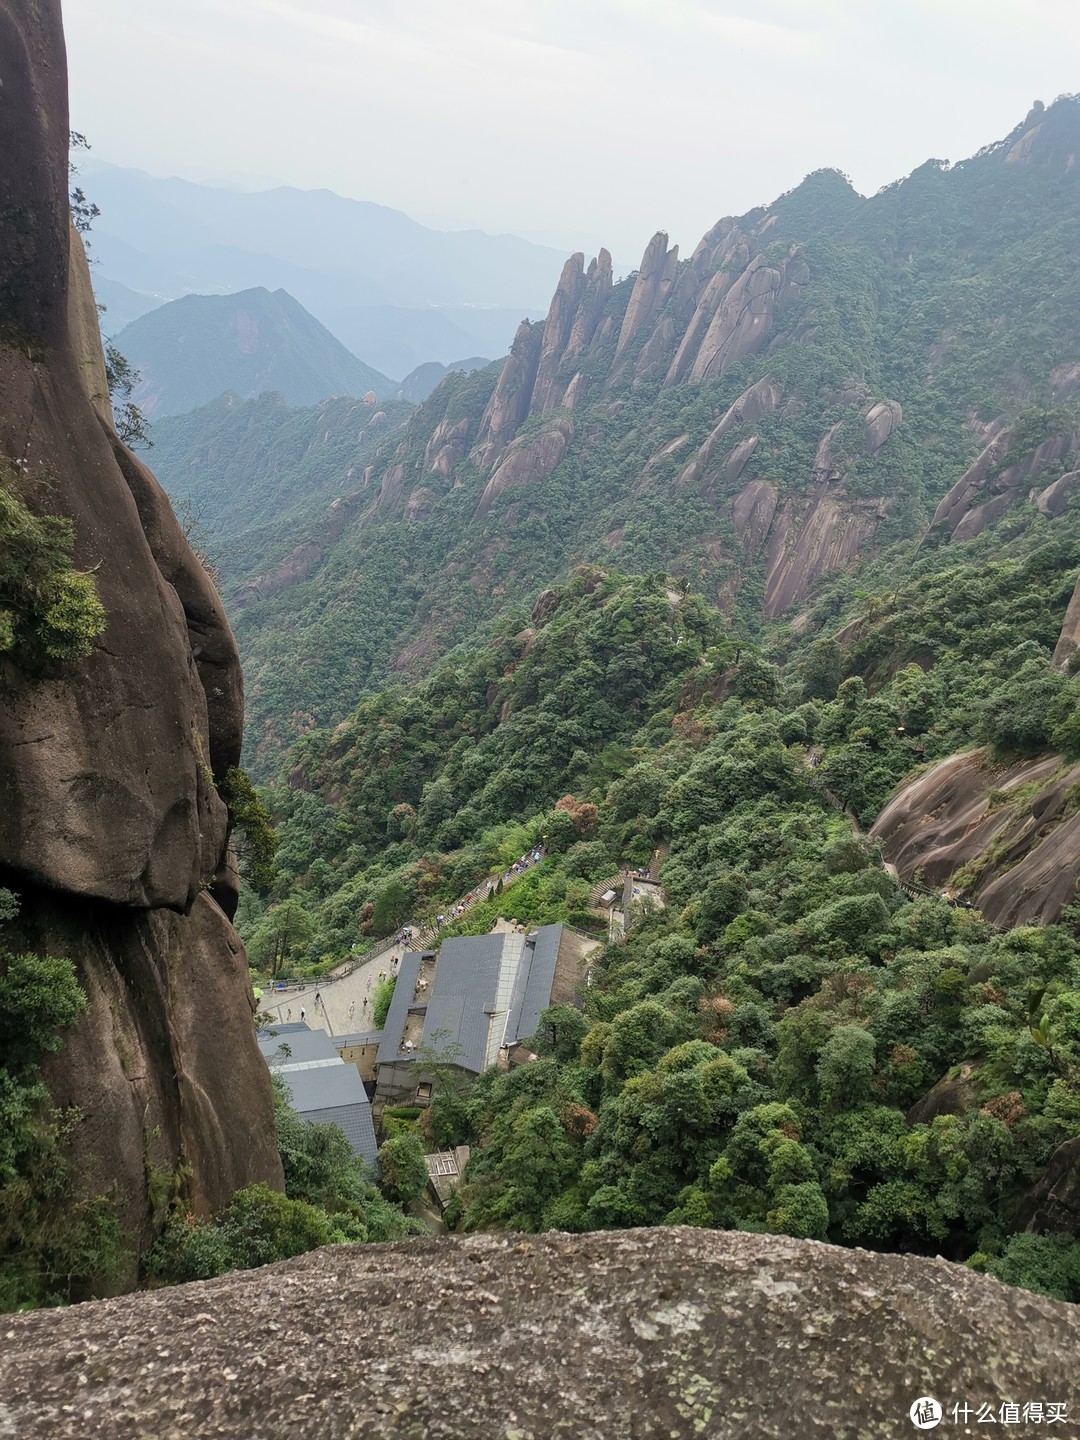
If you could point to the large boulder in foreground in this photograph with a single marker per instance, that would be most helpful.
(644, 1333)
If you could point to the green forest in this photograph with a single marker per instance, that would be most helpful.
(585, 663)
(795, 1043)
(953, 293)
(750, 1055)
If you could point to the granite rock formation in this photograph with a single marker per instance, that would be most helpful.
(803, 536)
(1069, 639)
(448, 444)
(686, 324)
(652, 286)
(811, 536)
(669, 1332)
(752, 405)
(956, 827)
(510, 401)
(1052, 1206)
(683, 324)
(758, 290)
(112, 832)
(529, 461)
(999, 479)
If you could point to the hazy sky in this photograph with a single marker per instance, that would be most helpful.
(575, 121)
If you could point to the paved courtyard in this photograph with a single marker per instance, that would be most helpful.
(345, 1001)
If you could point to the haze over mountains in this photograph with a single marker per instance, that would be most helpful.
(800, 393)
(394, 292)
(756, 572)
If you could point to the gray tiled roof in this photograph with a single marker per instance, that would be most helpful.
(284, 1027)
(301, 1045)
(535, 978)
(464, 994)
(335, 1095)
(462, 997)
(394, 1027)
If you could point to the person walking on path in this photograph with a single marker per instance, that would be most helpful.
(303, 1013)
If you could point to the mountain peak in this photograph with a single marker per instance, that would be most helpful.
(195, 348)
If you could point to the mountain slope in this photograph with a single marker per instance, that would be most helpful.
(853, 425)
(248, 475)
(806, 388)
(194, 349)
(795, 1043)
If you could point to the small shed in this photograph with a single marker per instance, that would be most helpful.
(445, 1169)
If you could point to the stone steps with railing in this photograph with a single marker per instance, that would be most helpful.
(420, 935)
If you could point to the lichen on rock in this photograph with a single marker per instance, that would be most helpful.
(639, 1334)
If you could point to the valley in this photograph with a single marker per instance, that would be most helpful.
(717, 552)
(602, 819)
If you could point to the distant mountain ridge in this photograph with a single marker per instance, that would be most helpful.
(390, 289)
(419, 383)
(194, 349)
(807, 389)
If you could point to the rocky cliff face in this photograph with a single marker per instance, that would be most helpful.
(1006, 473)
(686, 324)
(112, 832)
(1069, 639)
(676, 324)
(798, 538)
(1005, 837)
(670, 1332)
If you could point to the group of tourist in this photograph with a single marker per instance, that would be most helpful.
(520, 866)
(413, 934)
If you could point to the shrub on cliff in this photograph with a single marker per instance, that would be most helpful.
(56, 1245)
(403, 1168)
(259, 1227)
(48, 610)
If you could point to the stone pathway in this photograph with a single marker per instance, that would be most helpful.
(345, 1001)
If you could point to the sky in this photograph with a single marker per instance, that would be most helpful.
(573, 122)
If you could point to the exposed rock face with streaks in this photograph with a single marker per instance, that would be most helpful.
(509, 405)
(813, 536)
(448, 444)
(112, 832)
(1069, 639)
(754, 404)
(653, 285)
(1018, 861)
(998, 479)
(529, 461)
(1052, 1206)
